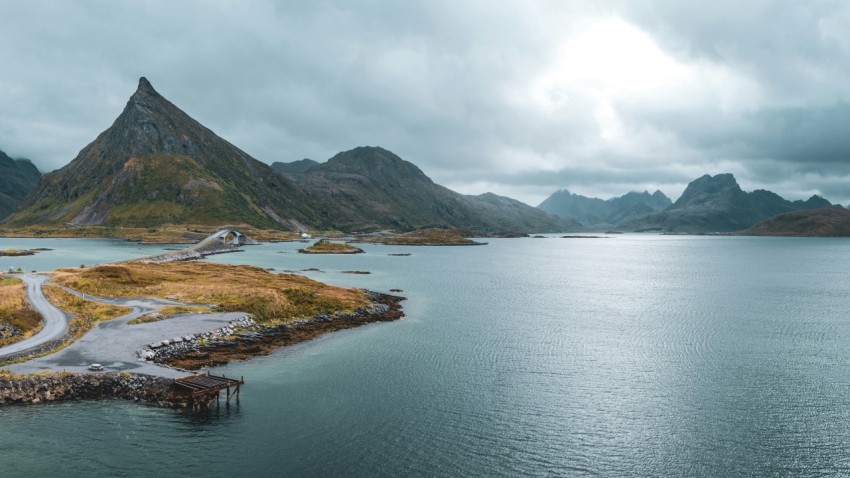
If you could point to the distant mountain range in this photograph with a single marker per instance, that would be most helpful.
(709, 204)
(157, 165)
(18, 178)
(717, 204)
(598, 213)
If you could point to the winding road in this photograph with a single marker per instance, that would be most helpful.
(112, 343)
(55, 321)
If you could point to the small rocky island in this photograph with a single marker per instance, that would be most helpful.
(21, 252)
(324, 246)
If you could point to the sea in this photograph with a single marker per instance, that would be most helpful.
(631, 355)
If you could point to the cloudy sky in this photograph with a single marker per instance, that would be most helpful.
(516, 97)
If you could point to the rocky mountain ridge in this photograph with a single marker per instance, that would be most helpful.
(718, 204)
(18, 178)
(374, 188)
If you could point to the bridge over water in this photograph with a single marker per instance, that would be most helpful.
(220, 242)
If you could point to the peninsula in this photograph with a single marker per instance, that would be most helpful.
(159, 318)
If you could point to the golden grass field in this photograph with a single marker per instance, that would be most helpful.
(271, 298)
(85, 314)
(15, 310)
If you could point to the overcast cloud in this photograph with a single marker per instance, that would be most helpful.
(519, 98)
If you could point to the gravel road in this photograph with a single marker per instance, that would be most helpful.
(113, 343)
(55, 321)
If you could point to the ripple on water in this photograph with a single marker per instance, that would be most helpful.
(634, 356)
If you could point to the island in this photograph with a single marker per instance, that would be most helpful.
(21, 252)
(324, 246)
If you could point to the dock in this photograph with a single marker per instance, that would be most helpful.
(201, 390)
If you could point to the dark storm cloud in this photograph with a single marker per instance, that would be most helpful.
(481, 95)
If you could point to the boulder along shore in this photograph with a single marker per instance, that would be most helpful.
(57, 387)
(239, 340)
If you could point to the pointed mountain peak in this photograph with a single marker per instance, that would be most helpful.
(145, 86)
(144, 92)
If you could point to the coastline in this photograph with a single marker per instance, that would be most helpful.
(258, 340)
(187, 356)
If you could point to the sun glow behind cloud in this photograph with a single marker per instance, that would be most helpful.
(609, 59)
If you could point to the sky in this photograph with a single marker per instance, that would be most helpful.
(520, 98)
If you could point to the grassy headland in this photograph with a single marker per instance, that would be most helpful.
(271, 298)
(86, 314)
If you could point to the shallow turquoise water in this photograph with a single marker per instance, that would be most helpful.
(630, 356)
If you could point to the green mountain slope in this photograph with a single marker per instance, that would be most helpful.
(156, 164)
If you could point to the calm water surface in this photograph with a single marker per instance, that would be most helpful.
(629, 356)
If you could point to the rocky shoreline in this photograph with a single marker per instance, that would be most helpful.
(240, 339)
(244, 338)
(58, 387)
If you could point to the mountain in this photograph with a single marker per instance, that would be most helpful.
(372, 188)
(833, 221)
(717, 204)
(294, 167)
(157, 165)
(18, 178)
(599, 213)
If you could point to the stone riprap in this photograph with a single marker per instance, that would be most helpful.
(32, 389)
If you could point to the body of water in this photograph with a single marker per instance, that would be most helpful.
(637, 355)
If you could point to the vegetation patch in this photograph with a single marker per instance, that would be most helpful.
(426, 237)
(86, 314)
(271, 298)
(17, 320)
(327, 247)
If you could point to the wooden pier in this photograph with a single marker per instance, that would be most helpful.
(202, 389)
